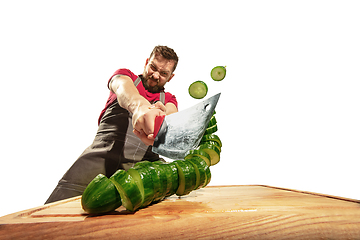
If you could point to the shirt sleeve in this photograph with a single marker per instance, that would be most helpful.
(169, 98)
(123, 71)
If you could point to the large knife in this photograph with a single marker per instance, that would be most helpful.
(179, 132)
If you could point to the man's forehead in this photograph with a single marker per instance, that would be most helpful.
(161, 62)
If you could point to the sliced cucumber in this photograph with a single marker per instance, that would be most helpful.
(211, 137)
(198, 153)
(199, 171)
(213, 152)
(198, 89)
(212, 121)
(129, 191)
(144, 181)
(187, 177)
(218, 73)
(214, 143)
(169, 176)
(162, 176)
(175, 178)
(211, 129)
(100, 196)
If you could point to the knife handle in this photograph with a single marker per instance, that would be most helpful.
(158, 122)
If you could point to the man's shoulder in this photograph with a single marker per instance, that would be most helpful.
(125, 71)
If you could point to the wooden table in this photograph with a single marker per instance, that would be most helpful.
(215, 212)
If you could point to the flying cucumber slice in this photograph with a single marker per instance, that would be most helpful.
(218, 73)
(198, 89)
(213, 152)
(187, 177)
(129, 191)
(211, 137)
(100, 196)
(198, 153)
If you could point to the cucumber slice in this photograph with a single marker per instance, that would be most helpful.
(100, 196)
(211, 129)
(199, 171)
(211, 137)
(169, 176)
(198, 153)
(129, 191)
(175, 178)
(162, 176)
(198, 89)
(218, 73)
(208, 176)
(212, 121)
(213, 152)
(154, 176)
(216, 144)
(143, 179)
(187, 177)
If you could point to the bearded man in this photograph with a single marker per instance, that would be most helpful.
(126, 124)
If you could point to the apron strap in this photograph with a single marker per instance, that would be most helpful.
(162, 93)
(137, 81)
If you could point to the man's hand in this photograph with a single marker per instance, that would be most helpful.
(144, 120)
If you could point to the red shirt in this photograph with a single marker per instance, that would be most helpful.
(151, 97)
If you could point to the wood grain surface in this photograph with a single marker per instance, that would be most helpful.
(215, 212)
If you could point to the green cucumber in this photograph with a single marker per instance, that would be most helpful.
(198, 153)
(213, 152)
(187, 177)
(167, 170)
(154, 176)
(198, 89)
(143, 179)
(162, 176)
(129, 191)
(218, 73)
(216, 144)
(199, 171)
(175, 178)
(211, 137)
(211, 129)
(100, 196)
(212, 121)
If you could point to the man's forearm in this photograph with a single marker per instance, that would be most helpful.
(127, 95)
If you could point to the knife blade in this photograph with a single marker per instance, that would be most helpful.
(179, 132)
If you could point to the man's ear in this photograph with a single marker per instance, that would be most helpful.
(146, 63)
(171, 77)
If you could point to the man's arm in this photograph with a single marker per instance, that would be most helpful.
(143, 115)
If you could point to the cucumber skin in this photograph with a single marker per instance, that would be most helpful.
(147, 184)
(187, 169)
(128, 189)
(100, 196)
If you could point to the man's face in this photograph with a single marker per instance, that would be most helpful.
(157, 72)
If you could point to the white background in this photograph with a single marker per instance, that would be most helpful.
(289, 111)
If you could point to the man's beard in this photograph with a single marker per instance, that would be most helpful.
(155, 89)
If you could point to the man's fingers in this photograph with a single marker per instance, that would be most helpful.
(159, 105)
(146, 139)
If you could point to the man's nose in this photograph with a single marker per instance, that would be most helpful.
(156, 75)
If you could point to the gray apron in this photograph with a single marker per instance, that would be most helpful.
(115, 147)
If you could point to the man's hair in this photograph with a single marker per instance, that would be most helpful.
(167, 53)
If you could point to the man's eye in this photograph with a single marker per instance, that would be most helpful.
(164, 74)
